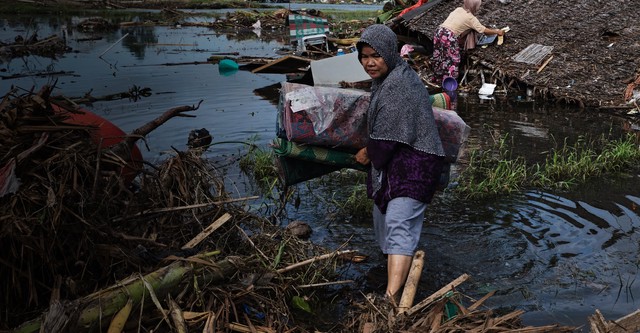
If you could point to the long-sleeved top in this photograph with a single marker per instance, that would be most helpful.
(408, 172)
(460, 20)
(404, 144)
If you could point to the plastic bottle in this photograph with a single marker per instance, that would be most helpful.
(340, 52)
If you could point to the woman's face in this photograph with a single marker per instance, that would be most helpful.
(373, 63)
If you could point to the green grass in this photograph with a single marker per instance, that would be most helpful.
(259, 164)
(496, 171)
(337, 15)
(341, 193)
(492, 172)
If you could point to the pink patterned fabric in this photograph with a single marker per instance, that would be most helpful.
(343, 113)
(446, 55)
(347, 130)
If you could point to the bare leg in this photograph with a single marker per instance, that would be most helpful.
(397, 270)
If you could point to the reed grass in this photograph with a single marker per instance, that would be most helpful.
(492, 172)
(343, 193)
(259, 163)
(495, 171)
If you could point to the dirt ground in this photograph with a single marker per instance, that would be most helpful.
(595, 55)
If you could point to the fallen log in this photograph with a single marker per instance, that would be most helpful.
(107, 302)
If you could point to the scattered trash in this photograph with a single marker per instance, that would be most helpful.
(406, 49)
(485, 39)
(334, 70)
(299, 229)
(449, 84)
(571, 82)
(199, 138)
(227, 67)
(317, 42)
(441, 100)
(486, 89)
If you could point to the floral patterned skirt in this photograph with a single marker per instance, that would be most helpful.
(446, 55)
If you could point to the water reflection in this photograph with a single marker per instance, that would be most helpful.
(138, 39)
(548, 253)
(558, 256)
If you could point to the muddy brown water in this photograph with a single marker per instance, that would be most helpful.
(558, 256)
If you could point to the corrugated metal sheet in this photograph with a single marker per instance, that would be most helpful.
(533, 54)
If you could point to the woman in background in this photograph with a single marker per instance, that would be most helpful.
(446, 41)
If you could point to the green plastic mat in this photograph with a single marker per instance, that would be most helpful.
(316, 154)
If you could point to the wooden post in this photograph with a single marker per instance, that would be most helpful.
(413, 279)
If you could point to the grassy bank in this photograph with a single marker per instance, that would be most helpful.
(496, 171)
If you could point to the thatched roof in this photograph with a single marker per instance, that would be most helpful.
(596, 45)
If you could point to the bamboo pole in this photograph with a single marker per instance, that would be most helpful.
(325, 284)
(413, 279)
(105, 303)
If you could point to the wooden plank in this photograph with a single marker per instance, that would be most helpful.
(630, 322)
(478, 303)
(207, 231)
(287, 64)
(435, 296)
(544, 64)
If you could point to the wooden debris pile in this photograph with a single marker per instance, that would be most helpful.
(594, 48)
(444, 311)
(95, 24)
(628, 323)
(349, 29)
(170, 248)
(243, 19)
(49, 47)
